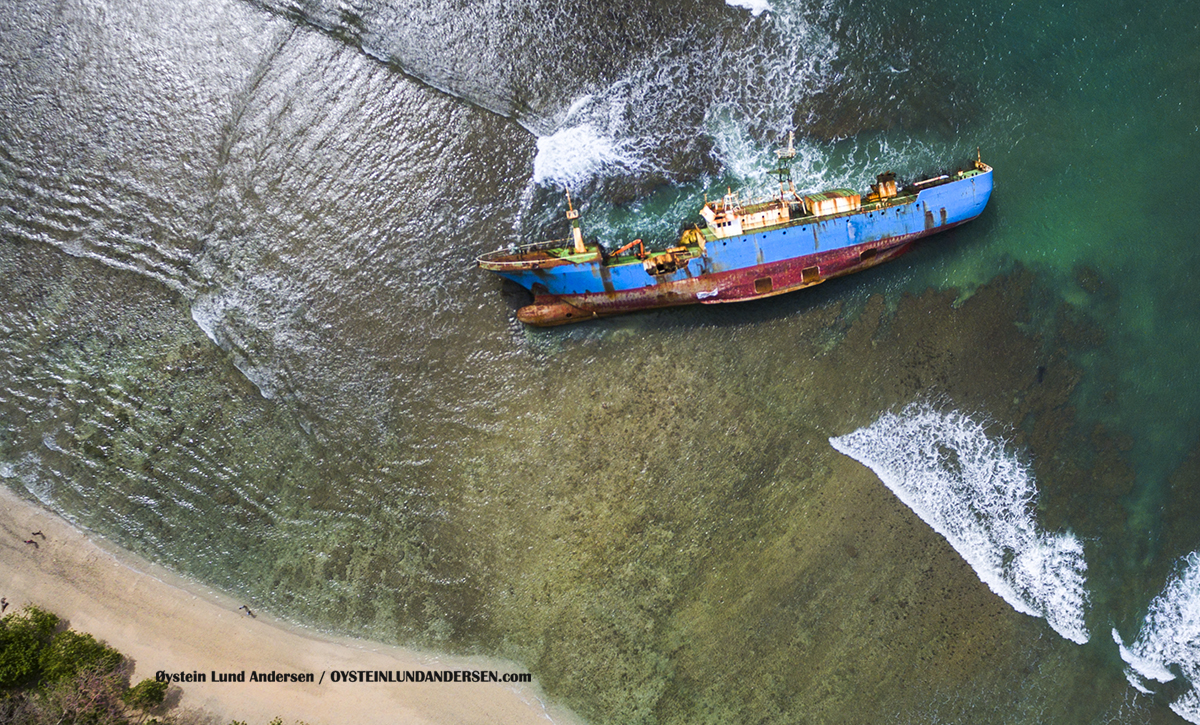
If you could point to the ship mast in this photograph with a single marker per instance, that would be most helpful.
(784, 172)
(576, 232)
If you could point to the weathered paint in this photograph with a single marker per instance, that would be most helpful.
(760, 263)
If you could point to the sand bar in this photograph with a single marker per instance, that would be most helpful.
(164, 622)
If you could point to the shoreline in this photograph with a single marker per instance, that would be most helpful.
(164, 622)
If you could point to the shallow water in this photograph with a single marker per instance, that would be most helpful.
(240, 333)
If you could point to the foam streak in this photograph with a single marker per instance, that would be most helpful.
(574, 155)
(1170, 636)
(756, 7)
(981, 498)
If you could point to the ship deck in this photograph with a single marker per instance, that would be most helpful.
(556, 252)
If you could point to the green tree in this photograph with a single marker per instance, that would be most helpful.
(23, 637)
(70, 652)
(145, 695)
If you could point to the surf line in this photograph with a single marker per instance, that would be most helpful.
(982, 499)
(1166, 638)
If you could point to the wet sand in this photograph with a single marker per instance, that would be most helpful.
(162, 622)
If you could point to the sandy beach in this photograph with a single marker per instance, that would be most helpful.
(166, 623)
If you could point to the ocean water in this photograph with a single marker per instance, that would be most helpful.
(241, 334)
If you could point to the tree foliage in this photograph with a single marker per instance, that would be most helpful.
(146, 695)
(23, 636)
(90, 695)
(53, 675)
(71, 652)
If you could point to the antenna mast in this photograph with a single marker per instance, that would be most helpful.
(576, 232)
(784, 172)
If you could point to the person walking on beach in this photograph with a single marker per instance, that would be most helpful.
(3, 604)
(248, 611)
(39, 533)
(31, 541)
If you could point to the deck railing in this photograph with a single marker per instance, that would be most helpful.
(526, 249)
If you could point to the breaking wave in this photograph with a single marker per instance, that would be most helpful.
(223, 317)
(756, 7)
(573, 155)
(1168, 637)
(666, 101)
(981, 498)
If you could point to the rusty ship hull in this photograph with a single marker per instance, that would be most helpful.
(744, 251)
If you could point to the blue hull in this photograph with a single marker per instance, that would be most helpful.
(706, 267)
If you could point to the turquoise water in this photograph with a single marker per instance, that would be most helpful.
(240, 333)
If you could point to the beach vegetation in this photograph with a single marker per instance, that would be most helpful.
(52, 674)
(71, 652)
(146, 695)
(23, 636)
(89, 695)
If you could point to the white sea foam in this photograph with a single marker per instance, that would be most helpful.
(1188, 706)
(211, 311)
(632, 124)
(746, 159)
(27, 472)
(1169, 636)
(573, 155)
(756, 7)
(813, 167)
(981, 498)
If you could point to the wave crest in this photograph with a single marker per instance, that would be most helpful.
(981, 498)
(1168, 637)
(574, 155)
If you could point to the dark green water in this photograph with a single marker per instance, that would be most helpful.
(241, 334)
